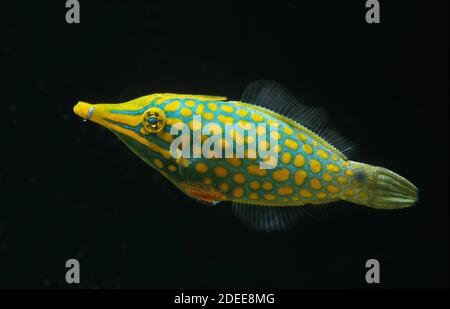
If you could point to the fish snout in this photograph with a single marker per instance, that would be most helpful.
(107, 115)
(84, 110)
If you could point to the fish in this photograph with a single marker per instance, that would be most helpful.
(310, 165)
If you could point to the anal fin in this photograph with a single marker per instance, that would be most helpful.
(268, 218)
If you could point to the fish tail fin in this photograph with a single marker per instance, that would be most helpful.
(392, 191)
(380, 188)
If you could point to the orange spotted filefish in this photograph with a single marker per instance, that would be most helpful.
(312, 166)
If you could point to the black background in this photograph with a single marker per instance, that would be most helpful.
(71, 190)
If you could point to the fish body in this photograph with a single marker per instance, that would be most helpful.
(307, 168)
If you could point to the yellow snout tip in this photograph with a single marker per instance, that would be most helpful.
(83, 109)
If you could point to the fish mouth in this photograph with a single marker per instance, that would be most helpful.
(84, 110)
(98, 113)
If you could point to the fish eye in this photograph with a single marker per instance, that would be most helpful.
(154, 120)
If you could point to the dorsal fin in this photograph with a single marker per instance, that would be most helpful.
(277, 98)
